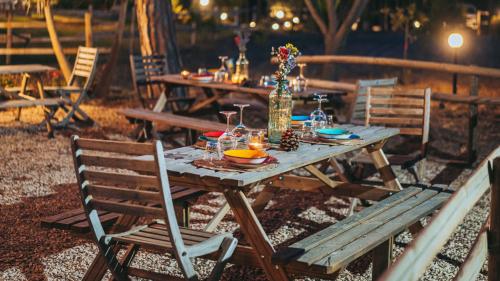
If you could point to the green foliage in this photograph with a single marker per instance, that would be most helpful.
(401, 16)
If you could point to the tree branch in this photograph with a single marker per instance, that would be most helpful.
(332, 15)
(317, 17)
(354, 13)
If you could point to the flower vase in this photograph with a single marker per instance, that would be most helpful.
(241, 73)
(280, 111)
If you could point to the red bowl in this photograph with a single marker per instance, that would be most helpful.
(214, 134)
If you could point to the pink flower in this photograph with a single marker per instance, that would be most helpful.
(237, 40)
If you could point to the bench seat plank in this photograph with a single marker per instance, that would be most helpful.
(174, 120)
(30, 103)
(342, 243)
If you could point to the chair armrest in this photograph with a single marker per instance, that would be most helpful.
(208, 246)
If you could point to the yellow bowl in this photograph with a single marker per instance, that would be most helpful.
(246, 156)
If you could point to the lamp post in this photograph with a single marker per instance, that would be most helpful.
(455, 41)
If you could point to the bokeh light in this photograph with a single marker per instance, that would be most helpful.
(204, 2)
(296, 20)
(253, 24)
(223, 16)
(275, 26)
(280, 14)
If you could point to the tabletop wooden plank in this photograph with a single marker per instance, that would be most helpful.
(176, 79)
(24, 68)
(305, 155)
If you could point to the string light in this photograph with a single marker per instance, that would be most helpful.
(253, 24)
(296, 20)
(223, 16)
(287, 24)
(204, 3)
(275, 26)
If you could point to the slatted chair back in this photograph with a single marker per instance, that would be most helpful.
(417, 257)
(408, 110)
(143, 68)
(84, 68)
(356, 114)
(108, 176)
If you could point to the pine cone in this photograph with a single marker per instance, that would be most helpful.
(289, 140)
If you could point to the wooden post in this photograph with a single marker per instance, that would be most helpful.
(8, 34)
(494, 231)
(88, 28)
(104, 83)
(473, 116)
(132, 31)
(193, 34)
(56, 44)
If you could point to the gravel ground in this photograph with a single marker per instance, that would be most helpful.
(36, 180)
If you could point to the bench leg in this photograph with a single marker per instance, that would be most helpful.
(182, 214)
(382, 258)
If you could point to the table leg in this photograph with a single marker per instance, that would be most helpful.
(383, 167)
(254, 233)
(46, 111)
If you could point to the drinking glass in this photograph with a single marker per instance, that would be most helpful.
(222, 74)
(318, 114)
(227, 140)
(300, 83)
(255, 139)
(240, 131)
(210, 151)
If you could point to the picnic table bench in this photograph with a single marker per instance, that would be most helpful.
(146, 117)
(334, 247)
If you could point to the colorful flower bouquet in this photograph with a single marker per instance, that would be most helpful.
(287, 59)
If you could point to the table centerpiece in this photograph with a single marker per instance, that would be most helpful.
(280, 99)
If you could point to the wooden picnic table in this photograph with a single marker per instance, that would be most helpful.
(24, 68)
(31, 75)
(236, 184)
(218, 90)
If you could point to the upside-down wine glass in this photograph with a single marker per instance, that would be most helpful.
(226, 141)
(222, 74)
(300, 83)
(241, 131)
(318, 116)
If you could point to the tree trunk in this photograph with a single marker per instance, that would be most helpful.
(56, 44)
(157, 31)
(102, 87)
(332, 45)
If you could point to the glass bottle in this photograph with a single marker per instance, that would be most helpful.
(241, 73)
(300, 84)
(280, 111)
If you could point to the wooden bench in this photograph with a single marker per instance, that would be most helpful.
(333, 248)
(32, 103)
(75, 220)
(417, 257)
(171, 120)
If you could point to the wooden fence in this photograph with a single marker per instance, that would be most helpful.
(91, 30)
(473, 100)
(421, 252)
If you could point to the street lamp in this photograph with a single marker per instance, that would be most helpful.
(455, 41)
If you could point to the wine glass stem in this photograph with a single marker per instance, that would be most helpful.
(227, 123)
(241, 115)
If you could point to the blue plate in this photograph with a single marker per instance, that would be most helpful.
(331, 131)
(300, 118)
(346, 137)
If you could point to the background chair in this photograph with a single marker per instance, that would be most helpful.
(79, 84)
(145, 196)
(356, 113)
(408, 110)
(149, 91)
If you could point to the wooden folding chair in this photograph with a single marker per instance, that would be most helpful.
(154, 93)
(356, 114)
(80, 83)
(408, 110)
(145, 195)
